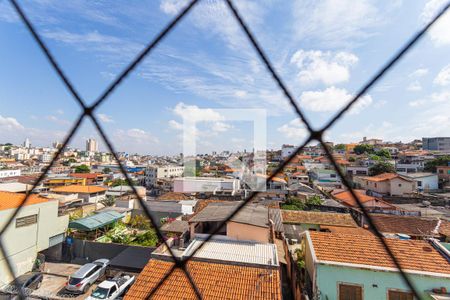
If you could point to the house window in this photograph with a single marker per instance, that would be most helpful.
(350, 292)
(441, 171)
(375, 185)
(419, 183)
(26, 221)
(399, 295)
(332, 175)
(399, 184)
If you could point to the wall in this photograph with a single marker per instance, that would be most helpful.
(23, 243)
(405, 188)
(328, 278)
(428, 183)
(241, 231)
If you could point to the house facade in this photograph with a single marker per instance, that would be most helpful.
(387, 184)
(36, 228)
(358, 267)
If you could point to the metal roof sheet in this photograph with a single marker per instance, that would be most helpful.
(246, 252)
(95, 221)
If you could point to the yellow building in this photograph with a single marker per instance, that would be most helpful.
(64, 181)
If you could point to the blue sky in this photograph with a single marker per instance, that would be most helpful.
(324, 50)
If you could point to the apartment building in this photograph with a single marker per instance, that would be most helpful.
(37, 227)
(436, 144)
(205, 184)
(153, 173)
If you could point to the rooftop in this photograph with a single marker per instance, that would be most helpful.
(385, 177)
(95, 221)
(419, 175)
(413, 255)
(214, 281)
(228, 250)
(249, 214)
(173, 196)
(82, 189)
(320, 218)
(413, 226)
(10, 200)
(175, 226)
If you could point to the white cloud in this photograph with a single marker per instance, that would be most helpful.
(327, 67)
(331, 99)
(432, 99)
(334, 22)
(57, 120)
(175, 125)
(60, 112)
(418, 73)
(414, 86)
(9, 123)
(220, 127)
(105, 118)
(135, 135)
(438, 33)
(443, 78)
(194, 113)
(172, 7)
(295, 129)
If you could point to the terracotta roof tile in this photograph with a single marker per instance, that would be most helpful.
(415, 255)
(173, 196)
(414, 226)
(10, 200)
(85, 175)
(347, 230)
(320, 218)
(384, 177)
(86, 189)
(444, 228)
(214, 281)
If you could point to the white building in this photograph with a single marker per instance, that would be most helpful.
(26, 143)
(46, 157)
(424, 181)
(205, 184)
(36, 228)
(153, 173)
(91, 145)
(9, 173)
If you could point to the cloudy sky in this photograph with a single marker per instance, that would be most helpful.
(324, 50)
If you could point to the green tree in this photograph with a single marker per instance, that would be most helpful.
(430, 166)
(106, 170)
(82, 169)
(339, 147)
(314, 200)
(351, 159)
(108, 201)
(363, 148)
(381, 167)
(384, 153)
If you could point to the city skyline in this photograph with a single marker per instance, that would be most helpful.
(203, 66)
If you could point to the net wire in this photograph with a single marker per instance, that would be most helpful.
(314, 135)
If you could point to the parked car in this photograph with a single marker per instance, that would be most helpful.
(113, 288)
(26, 282)
(82, 279)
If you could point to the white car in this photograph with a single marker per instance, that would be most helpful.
(114, 288)
(82, 279)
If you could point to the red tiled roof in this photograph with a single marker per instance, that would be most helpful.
(10, 200)
(413, 226)
(85, 175)
(384, 177)
(314, 217)
(214, 281)
(173, 196)
(347, 198)
(415, 255)
(84, 189)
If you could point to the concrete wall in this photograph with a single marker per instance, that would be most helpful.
(241, 231)
(23, 243)
(400, 187)
(375, 284)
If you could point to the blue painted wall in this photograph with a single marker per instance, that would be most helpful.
(328, 278)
